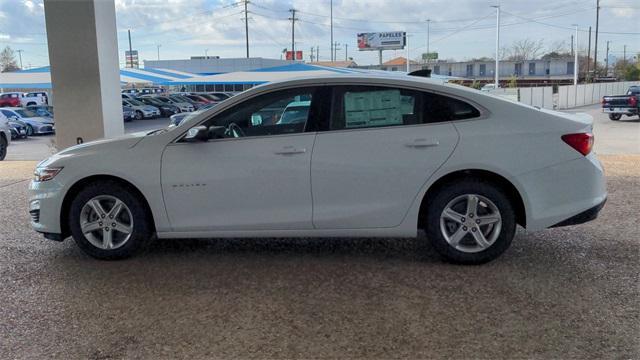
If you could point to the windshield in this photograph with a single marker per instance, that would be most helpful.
(179, 98)
(26, 113)
(135, 102)
(153, 101)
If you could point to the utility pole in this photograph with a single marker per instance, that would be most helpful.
(346, 52)
(335, 50)
(589, 56)
(576, 65)
(497, 71)
(130, 50)
(607, 60)
(311, 54)
(595, 52)
(408, 55)
(331, 7)
(624, 56)
(572, 50)
(317, 52)
(20, 56)
(293, 32)
(246, 25)
(158, 46)
(428, 38)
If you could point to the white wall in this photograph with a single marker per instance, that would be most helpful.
(570, 96)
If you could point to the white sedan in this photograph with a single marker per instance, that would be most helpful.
(375, 156)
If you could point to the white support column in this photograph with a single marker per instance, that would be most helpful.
(85, 75)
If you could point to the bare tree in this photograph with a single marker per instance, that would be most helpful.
(8, 60)
(526, 49)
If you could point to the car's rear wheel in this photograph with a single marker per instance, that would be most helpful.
(615, 117)
(139, 115)
(29, 130)
(108, 221)
(3, 147)
(470, 222)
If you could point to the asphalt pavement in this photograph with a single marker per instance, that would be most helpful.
(561, 293)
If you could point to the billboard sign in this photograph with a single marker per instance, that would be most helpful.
(131, 58)
(430, 56)
(393, 40)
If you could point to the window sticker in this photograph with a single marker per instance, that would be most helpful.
(375, 108)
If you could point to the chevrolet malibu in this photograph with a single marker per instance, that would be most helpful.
(375, 156)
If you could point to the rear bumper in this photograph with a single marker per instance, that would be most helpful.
(620, 110)
(583, 217)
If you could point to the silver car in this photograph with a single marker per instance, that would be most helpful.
(36, 125)
(142, 110)
(5, 136)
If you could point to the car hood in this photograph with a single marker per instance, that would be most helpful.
(97, 147)
(38, 119)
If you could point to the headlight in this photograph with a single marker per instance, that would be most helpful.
(45, 173)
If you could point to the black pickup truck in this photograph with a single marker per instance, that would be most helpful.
(619, 105)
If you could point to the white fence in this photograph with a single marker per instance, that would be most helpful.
(537, 96)
(571, 96)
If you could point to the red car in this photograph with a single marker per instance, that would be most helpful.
(10, 100)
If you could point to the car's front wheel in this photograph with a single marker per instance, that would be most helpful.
(470, 222)
(615, 117)
(3, 147)
(29, 130)
(108, 221)
(139, 115)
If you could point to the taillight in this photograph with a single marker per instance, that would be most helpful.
(633, 101)
(581, 142)
(603, 102)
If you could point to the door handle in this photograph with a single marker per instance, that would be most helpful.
(290, 150)
(420, 143)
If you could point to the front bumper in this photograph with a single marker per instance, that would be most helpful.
(44, 129)
(45, 202)
(583, 217)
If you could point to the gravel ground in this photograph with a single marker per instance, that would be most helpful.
(563, 293)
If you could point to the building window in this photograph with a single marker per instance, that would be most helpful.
(532, 68)
(570, 66)
(469, 70)
(394, 69)
(436, 69)
(449, 72)
(518, 69)
(483, 69)
(219, 87)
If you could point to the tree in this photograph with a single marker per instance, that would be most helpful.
(526, 49)
(8, 60)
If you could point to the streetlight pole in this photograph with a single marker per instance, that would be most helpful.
(576, 65)
(20, 56)
(158, 50)
(428, 38)
(408, 54)
(331, 7)
(497, 71)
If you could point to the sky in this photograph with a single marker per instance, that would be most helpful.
(458, 29)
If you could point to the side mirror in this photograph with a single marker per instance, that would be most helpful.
(256, 120)
(217, 132)
(197, 134)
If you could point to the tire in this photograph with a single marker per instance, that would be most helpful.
(3, 147)
(615, 117)
(139, 115)
(133, 223)
(29, 130)
(492, 204)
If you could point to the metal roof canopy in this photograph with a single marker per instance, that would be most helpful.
(40, 78)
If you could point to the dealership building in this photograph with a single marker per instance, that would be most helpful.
(214, 65)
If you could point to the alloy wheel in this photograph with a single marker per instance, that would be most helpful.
(106, 222)
(470, 223)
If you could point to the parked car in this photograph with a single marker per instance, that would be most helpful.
(396, 155)
(296, 112)
(183, 99)
(151, 90)
(212, 98)
(10, 99)
(166, 109)
(42, 110)
(129, 96)
(183, 106)
(619, 105)
(488, 87)
(18, 129)
(142, 110)
(18, 99)
(5, 136)
(128, 114)
(199, 99)
(220, 95)
(36, 125)
(35, 98)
